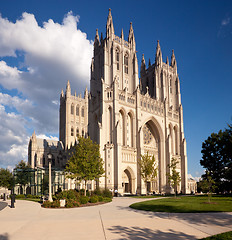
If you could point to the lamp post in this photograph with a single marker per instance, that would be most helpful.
(50, 176)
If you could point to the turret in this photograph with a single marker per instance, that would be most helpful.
(109, 26)
(158, 55)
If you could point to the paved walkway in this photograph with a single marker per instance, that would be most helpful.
(115, 220)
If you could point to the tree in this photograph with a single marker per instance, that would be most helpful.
(6, 178)
(207, 185)
(174, 177)
(22, 173)
(148, 170)
(217, 158)
(85, 163)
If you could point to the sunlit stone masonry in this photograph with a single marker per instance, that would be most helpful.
(125, 115)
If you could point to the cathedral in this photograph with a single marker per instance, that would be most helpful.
(125, 115)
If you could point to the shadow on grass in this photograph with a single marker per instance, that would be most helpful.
(134, 233)
(4, 236)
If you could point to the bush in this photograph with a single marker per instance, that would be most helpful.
(46, 204)
(68, 194)
(29, 196)
(71, 203)
(100, 198)
(97, 192)
(106, 199)
(107, 193)
(93, 199)
(20, 196)
(55, 204)
(84, 199)
(82, 192)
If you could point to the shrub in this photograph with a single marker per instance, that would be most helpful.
(82, 192)
(100, 198)
(29, 196)
(97, 192)
(93, 199)
(71, 203)
(46, 204)
(107, 193)
(55, 204)
(84, 199)
(20, 196)
(106, 199)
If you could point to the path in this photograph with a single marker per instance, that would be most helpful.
(113, 220)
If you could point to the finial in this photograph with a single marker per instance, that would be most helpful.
(122, 34)
(149, 63)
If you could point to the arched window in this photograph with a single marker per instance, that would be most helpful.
(176, 87)
(130, 130)
(123, 132)
(109, 125)
(72, 131)
(126, 64)
(82, 112)
(77, 132)
(77, 110)
(83, 133)
(117, 58)
(72, 109)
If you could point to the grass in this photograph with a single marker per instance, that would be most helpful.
(222, 236)
(29, 199)
(187, 204)
(148, 196)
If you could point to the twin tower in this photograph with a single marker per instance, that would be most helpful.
(128, 116)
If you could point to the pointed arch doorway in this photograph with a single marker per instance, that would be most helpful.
(128, 181)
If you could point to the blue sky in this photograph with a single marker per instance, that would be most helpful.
(52, 42)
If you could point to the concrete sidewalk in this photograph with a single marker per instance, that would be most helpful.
(113, 220)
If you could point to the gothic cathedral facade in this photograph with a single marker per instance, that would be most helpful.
(128, 117)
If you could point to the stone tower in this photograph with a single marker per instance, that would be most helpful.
(73, 116)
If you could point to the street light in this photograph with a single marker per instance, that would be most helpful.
(50, 176)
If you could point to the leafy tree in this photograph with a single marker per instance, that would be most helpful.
(22, 173)
(217, 158)
(174, 177)
(6, 178)
(208, 185)
(148, 170)
(85, 163)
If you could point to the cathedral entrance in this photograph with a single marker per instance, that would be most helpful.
(127, 182)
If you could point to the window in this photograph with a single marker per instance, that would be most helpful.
(77, 132)
(82, 112)
(126, 64)
(117, 58)
(72, 132)
(83, 133)
(72, 109)
(77, 110)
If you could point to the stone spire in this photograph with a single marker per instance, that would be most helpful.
(86, 93)
(173, 60)
(96, 40)
(131, 37)
(68, 89)
(158, 55)
(149, 62)
(122, 35)
(143, 66)
(167, 61)
(109, 26)
(62, 93)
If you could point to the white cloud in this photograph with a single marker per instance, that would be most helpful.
(195, 178)
(225, 21)
(50, 55)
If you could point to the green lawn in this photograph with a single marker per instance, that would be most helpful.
(148, 196)
(222, 236)
(187, 204)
